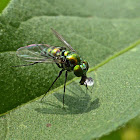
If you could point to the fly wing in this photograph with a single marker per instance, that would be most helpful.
(36, 53)
(62, 40)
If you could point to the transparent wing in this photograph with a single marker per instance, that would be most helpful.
(62, 40)
(36, 53)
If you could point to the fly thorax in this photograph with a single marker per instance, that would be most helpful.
(81, 70)
(73, 59)
(55, 51)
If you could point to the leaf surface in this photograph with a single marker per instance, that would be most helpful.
(98, 31)
(114, 100)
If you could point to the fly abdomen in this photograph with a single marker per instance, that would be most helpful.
(54, 51)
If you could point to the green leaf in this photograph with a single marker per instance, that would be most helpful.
(23, 23)
(99, 32)
(114, 100)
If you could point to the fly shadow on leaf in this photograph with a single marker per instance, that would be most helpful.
(77, 101)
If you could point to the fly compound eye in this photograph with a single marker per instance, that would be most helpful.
(78, 71)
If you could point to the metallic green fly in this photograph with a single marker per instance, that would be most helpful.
(65, 58)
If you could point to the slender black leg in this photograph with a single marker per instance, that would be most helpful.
(86, 88)
(66, 74)
(53, 83)
(58, 65)
(26, 64)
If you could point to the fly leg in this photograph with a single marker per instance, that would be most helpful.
(86, 88)
(58, 65)
(66, 74)
(53, 83)
(26, 64)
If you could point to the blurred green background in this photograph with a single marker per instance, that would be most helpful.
(130, 131)
(3, 4)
